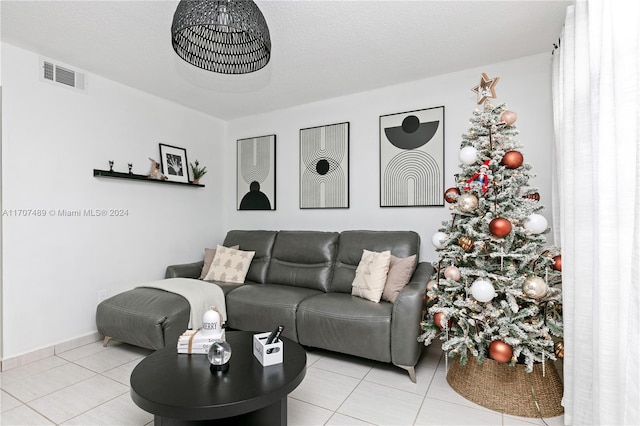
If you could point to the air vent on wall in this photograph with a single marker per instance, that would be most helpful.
(58, 74)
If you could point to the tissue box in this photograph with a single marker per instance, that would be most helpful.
(267, 354)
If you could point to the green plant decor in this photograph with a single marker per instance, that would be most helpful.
(197, 171)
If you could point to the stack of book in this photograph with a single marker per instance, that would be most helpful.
(193, 342)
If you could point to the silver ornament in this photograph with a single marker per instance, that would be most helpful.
(535, 287)
(467, 202)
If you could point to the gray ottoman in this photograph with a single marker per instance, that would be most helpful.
(145, 317)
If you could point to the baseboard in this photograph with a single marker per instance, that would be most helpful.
(20, 360)
(77, 342)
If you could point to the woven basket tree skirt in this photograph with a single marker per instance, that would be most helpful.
(510, 390)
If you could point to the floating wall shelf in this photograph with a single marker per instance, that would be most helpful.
(118, 175)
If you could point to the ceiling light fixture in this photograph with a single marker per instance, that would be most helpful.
(223, 36)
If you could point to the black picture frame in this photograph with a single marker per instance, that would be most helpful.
(412, 158)
(324, 167)
(256, 173)
(173, 161)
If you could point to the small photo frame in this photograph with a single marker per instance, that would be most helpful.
(174, 163)
(324, 167)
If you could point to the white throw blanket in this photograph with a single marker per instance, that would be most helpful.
(200, 294)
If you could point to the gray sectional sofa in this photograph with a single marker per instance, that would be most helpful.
(302, 280)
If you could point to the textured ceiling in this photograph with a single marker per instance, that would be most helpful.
(321, 49)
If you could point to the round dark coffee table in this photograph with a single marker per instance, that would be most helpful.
(179, 389)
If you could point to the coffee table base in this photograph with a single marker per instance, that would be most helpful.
(274, 414)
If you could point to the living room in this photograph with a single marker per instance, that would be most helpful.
(56, 268)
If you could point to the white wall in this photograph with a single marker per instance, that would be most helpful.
(525, 86)
(53, 138)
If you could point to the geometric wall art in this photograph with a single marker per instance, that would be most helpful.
(324, 167)
(412, 158)
(256, 173)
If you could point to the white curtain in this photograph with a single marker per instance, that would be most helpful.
(596, 101)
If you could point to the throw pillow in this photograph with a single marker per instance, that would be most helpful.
(209, 254)
(400, 272)
(371, 275)
(229, 265)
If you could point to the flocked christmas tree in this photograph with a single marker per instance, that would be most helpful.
(496, 291)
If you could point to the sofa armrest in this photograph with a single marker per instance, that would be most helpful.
(406, 318)
(185, 270)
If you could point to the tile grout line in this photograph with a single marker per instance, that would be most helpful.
(424, 398)
(75, 363)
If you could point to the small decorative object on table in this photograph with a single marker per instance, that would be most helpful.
(211, 323)
(130, 167)
(268, 348)
(197, 171)
(200, 341)
(219, 355)
(195, 342)
(111, 166)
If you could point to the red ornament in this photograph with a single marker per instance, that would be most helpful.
(500, 351)
(508, 117)
(557, 263)
(500, 227)
(451, 195)
(437, 320)
(512, 159)
(533, 196)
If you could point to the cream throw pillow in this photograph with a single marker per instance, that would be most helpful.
(371, 275)
(209, 254)
(229, 265)
(400, 272)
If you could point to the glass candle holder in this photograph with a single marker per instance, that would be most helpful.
(219, 356)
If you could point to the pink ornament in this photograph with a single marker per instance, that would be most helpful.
(508, 117)
(452, 273)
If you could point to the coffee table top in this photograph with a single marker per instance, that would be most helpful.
(181, 386)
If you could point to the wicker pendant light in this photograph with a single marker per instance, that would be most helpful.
(223, 36)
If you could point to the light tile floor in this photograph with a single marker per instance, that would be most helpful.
(89, 385)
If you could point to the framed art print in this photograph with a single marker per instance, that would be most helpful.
(324, 167)
(412, 158)
(174, 163)
(256, 173)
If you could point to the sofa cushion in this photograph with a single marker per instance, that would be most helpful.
(351, 244)
(209, 254)
(355, 326)
(230, 265)
(262, 307)
(399, 275)
(371, 275)
(303, 259)
(259, 241)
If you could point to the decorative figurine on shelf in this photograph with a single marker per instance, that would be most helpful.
(481, 177)
(154, 171)
(197, 171)
(130, 165)
(110, 166)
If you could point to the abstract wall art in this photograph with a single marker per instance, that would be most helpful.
(256, 169)
(412, 158)
(324, 167)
